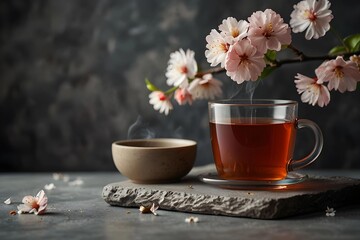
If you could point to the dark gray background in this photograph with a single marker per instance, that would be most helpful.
(72, 79)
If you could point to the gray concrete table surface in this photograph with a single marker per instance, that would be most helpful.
(79, 212)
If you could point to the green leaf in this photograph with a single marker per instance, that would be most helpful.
(337, 50)
(357, 47)
(352, 42)
(270, 55)
(150, 86)
(266, 72)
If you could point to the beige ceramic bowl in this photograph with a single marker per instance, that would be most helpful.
(154, 160)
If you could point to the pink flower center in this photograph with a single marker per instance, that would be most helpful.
(338, 72)
(310, 15)
(243, 59)
(268, 30)
(183, 69)
(35, 205)
(162, 97)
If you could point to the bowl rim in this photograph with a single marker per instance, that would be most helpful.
(178, 143)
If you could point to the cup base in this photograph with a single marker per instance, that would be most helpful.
(291, 179)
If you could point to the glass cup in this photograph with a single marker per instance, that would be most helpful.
(254, 139)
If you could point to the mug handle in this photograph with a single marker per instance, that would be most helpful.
(301, 163)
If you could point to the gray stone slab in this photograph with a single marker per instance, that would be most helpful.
(191, 195)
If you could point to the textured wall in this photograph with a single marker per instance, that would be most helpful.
(72, 79)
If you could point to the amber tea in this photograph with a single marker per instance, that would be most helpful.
(248, 150)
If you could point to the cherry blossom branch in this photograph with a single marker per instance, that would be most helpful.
(301, 57)
(304, 58)
(210, 71)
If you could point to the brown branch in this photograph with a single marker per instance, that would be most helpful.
(304, 58)
(301, 58)
(211, 70)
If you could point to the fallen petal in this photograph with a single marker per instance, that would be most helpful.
(143, 209)
(77, 182)
(154, 208)
(50, 186)
(13, 212)
(7, 201)
(24, 208)
(192, 220)
(29, 200)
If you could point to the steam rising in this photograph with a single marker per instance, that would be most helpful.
(248, 92)
(140, 130)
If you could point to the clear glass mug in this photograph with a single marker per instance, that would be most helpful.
(255, 139)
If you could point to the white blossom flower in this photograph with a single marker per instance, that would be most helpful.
(267, 30)
(244, 62)
(181, 67)
(217, 47)
(160, 102)
(183, 96)
(50, 186)
(206, 87)
(342, 75)
(35, 204)
(233, 30)
(311, 91)
(312, 16)
(7, 201)
(330, 212)
(192, 219)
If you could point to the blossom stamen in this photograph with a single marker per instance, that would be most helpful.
(183, 70)
(162, 97)
(224, 47)
(338, 72)
(269, 30)
(235, 32)
(310, 15)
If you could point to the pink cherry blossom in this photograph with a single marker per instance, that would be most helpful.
(183, 96)
(311, 91)
(217, 47)
(244, 62)
(267, 30)
(161, 102)
(35, 204)
(181, 67)
(206, 87)
(312, 16)
(342, 75)
(233, 30)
